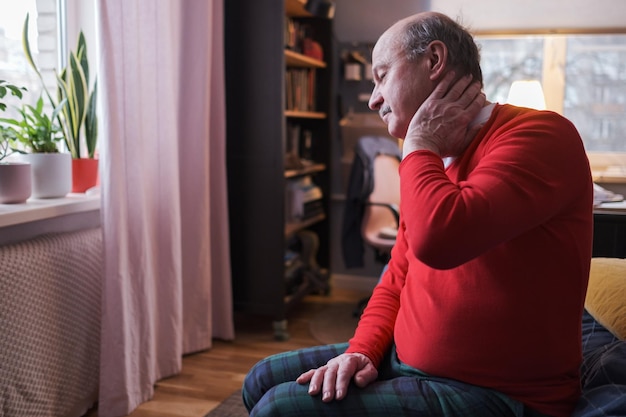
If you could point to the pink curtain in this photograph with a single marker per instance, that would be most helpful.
(166, 289)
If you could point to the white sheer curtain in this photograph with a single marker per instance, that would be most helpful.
(166, 287)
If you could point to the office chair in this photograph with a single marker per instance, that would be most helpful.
(381, 213)
(371, 216)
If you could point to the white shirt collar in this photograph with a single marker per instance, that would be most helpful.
(480, 119)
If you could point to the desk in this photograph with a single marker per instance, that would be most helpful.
(611, 208)
(609, 234)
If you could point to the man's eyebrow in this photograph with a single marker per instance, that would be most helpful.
(380, 66)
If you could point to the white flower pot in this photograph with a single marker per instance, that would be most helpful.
(52, 174)
(15, 182)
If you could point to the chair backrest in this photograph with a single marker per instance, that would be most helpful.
(379, 225)
(374, 186)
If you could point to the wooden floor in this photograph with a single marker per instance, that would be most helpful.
(207, 378)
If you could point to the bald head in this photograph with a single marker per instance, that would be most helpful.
(414, 33)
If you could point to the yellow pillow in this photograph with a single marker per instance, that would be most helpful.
(606, 294)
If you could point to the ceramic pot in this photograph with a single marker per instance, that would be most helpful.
(15, 182)
(52, 174)
(84, 174)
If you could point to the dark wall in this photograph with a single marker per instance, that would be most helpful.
(366, 20)
(355, 119)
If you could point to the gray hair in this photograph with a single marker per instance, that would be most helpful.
(463, 53)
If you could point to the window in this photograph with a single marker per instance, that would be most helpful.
(43, 40)
(46, 37)
(583, 77)
(595, 90)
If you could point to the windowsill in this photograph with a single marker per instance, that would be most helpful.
(41, 209)
(608, 168)
(19, 222)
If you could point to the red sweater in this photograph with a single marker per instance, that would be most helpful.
(489, 272)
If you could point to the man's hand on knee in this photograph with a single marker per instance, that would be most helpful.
(332, 379)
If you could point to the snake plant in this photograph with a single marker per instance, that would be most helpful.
(77, 118)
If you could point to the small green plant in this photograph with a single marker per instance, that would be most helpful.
(7, 134)
(6, 87)
(77, 118)
(37, 132)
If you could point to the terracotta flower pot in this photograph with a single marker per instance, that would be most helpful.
(15, 182)
(84, 174)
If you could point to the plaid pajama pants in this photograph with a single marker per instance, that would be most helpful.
(270, 390)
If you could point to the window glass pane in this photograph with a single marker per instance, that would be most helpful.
(13, 65)
(505, 60)
(590, 84)
(595, 90)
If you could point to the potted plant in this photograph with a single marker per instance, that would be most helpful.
(77, 118)
(39, 135)
(15, 177)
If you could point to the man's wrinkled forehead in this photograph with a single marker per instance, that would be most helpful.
(390, 40)
(386, 51)
(386, 47)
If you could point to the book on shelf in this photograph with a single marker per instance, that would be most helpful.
(298, 37)
(303, 199)
(298, 149)
(300, 89)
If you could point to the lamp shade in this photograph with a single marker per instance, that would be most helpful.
(527, 93)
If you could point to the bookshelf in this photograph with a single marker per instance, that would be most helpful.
(279, 103)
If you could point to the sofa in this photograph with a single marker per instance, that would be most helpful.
(603, 371)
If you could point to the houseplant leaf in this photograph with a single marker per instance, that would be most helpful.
(31, 61)
(35, 130)
(81, 54)
(78, 114)
(91, 122)
(8, 134)
(76, 94)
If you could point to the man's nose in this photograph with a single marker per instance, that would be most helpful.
(375, 100)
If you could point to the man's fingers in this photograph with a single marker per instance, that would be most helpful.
(444, 85)
(328, 387)
(315, 378)
(471, 96)
(305, 377)
(344, 376)
(332, 380)
(458, 88)
(464, 90)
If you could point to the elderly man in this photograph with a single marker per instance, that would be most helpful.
(479, 312)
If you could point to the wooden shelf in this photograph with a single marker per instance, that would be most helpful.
(291, 173)
(305, 114)
(295, 59)
(295, 8)
(291, 228)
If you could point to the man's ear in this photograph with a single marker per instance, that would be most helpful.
(438, 58)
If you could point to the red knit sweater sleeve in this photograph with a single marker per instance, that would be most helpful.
(515, 176)
(374, 334)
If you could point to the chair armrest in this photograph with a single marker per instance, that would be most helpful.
(392, 207)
